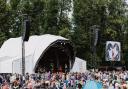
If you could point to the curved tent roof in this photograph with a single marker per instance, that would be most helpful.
(12, 48)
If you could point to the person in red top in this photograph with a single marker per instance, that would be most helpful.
(29, 85)
(60, 69)
(124, 84)
(5, 86)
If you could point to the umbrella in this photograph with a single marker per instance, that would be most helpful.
(91, 84)
(99, 85)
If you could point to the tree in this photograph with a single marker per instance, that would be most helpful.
(50, 17)
(4, 23)
(109, 15)
(35, 11)
(56, 16)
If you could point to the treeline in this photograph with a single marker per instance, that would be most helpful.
(52, 17)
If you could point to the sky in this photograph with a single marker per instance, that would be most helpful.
(127, 1)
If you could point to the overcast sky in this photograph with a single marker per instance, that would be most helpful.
(127, 1)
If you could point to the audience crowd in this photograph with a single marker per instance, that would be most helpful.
(59, 80)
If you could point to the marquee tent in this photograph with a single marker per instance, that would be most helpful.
(79, 65)
(36, 50)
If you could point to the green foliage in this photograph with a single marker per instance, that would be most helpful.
(65, 32)
(109, 15)
(52, 17)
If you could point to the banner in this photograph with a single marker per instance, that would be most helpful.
(113, 51)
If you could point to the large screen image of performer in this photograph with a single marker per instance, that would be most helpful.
(113, 51)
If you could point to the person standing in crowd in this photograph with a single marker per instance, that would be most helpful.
(27, 76)
(66, 68)
(1, 80)
(5, 85)
(16, 84)
(110, 85)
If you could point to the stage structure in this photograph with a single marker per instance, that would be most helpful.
(46, 52)
(79, 65)
(113, 50)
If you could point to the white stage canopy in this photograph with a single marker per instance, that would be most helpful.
(11, 52)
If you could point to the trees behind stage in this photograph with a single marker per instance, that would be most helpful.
(53, 17)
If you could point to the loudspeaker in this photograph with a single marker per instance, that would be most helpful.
(26, 30)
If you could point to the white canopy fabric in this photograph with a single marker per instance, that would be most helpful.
(79, 65)
(11, 52)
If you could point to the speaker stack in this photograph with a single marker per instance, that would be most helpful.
(26, 30)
